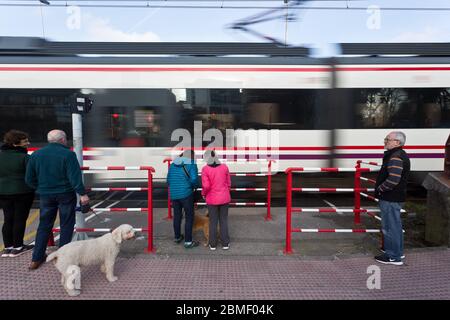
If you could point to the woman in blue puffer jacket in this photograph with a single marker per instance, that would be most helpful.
(182, 179)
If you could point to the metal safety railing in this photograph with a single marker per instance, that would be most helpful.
(148, 209)
(356, 210)
(268, 189)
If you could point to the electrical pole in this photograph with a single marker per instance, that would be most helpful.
(77, 131)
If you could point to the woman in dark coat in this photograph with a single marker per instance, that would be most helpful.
(16, 197)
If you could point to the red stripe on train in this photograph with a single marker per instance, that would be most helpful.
(162, 69)
(392, 69)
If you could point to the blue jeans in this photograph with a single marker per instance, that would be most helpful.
(188, 205)
(391, 225)
(49, 205)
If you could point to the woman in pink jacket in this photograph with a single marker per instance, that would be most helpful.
(216, 185)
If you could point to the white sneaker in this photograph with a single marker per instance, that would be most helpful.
(6, 252)
(402, 257)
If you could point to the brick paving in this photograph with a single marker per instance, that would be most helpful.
(323, 266)
(425, 275)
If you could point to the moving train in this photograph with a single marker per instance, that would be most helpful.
(251, 101)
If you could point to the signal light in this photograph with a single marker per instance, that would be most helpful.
(81, 104)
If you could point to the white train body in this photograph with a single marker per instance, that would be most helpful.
(294, 147)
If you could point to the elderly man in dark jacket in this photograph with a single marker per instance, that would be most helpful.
(391, 190)
(55, 173)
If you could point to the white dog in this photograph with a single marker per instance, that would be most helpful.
(102, 250)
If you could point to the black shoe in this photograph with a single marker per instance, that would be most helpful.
(18, 252)
(190, 245)
(6, 253)
(382, 250)
(386, 260)
(178, 240)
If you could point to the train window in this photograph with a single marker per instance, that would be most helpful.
(147, 117)
(35, 112)
(402, 107)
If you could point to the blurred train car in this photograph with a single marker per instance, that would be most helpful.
(265, 102)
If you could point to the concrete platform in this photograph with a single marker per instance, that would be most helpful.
(323, 266)
(251, 235)
(424, 276)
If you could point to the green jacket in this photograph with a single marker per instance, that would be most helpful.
(54, 169)
(13, 163)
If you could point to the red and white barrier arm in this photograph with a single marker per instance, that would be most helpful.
(331, 189)
(248, 189)
(378, 218)
(369, 197)
(376, 199)
(118, 168)
(116, 189)
(98, 229)
(256, 161)
(373, 215)
(249, 174)
(246, 204)
(303, 169)
(245, 189)
(367, 179)
(120, 209)
(369, 163)
(332, 210)
(246, 174)
(338, 230)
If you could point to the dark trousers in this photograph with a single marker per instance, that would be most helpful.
(219, 214)
(188, 205)
(49, 205)
(16, 209)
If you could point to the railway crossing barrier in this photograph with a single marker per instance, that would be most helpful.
(149, 209)
(268, 188)
(357, 190)
(356, 210)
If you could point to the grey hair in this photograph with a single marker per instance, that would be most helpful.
(56, 136)
(211, 157)
(400, 136)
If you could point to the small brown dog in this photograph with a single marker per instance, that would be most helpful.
(201, 222)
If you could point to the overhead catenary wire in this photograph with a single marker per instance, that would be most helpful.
(165, 1)
(219, 5)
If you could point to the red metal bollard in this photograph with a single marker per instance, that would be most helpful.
(357, 190)
(169, 206)
(269, 190)
(288, 248)
(51, 240)
(150, 248)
